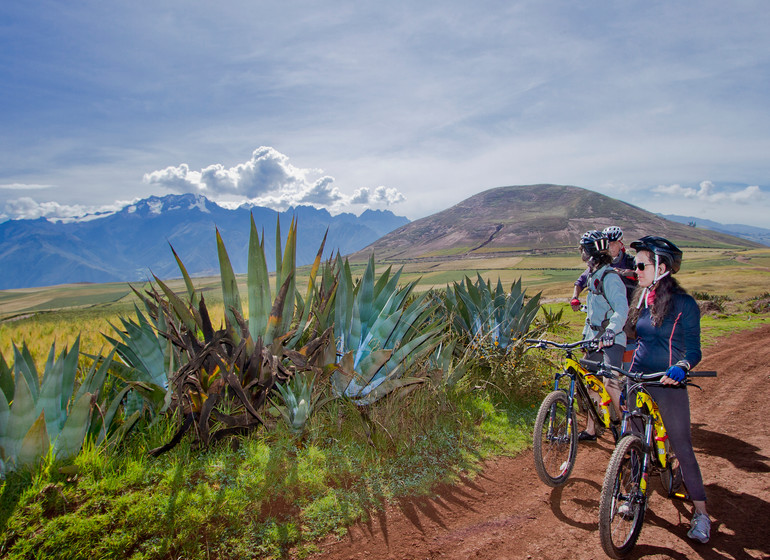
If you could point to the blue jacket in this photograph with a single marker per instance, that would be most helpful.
(676, 339)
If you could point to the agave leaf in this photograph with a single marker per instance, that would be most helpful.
(5, 413)
(278, 258)
(70, 372)
(35, 443)
(191, 292)
(274, 322)
(94, 379)
(111, 412)
(70, 439)
(385, 388)
(258, 283)
(230, 293)
(24, 363)
(6, 379)
(50, 397)
(371, 364)
(289, 268)
(22, 415)
(180, 308)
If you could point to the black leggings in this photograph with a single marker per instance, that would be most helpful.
(674, 406)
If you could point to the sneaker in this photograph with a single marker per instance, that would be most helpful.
(700, 527)
(585, 436)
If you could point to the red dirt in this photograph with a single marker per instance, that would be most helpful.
(507, 513)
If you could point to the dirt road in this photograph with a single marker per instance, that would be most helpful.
(507, 513)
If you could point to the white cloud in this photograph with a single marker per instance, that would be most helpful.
(708, 192)
(268, 179)
(381, 195)
(24, 187)
(26, 208)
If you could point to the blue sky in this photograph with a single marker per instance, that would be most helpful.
(410, 106)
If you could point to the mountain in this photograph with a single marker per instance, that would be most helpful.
(505, 220)
(752, 233)
(126, 245)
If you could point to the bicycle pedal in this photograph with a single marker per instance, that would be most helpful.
(681, 496)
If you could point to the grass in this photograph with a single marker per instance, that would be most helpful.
(265, 496)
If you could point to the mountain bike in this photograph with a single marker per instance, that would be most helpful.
(625, 490)
(555, 437)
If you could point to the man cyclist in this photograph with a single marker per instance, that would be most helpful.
(621, 260)
(607, 309)
(624, 264)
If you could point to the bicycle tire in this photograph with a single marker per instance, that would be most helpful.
(555, 439)
(619, 529)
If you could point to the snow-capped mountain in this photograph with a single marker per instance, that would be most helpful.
(128, 244)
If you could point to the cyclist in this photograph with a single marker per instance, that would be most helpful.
(667, 324)
(621, 260)
(607, 309)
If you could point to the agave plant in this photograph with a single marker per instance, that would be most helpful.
(379, 333)
(299, 402)
(225, 375)
(52, 416)
(491, 319)
(148, 357)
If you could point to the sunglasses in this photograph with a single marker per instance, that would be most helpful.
(641, 265)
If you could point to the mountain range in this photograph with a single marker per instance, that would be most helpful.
(129, 244)
(508, 220)
(752, 233)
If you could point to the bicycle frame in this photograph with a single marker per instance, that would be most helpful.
(580, 381)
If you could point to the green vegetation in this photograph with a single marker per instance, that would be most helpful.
(277, 457)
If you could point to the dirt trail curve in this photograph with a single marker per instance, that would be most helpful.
(507, 513)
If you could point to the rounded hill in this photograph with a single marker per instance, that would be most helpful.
(513, 219)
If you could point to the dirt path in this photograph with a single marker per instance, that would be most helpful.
(507, 513)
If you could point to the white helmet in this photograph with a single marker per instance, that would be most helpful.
(613, 233)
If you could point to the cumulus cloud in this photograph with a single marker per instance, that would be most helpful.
(385, 195)
(268, 179)
(708, 192)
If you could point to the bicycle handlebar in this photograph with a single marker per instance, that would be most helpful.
(543, 343)
(654, 376)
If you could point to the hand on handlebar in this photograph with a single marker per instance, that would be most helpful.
(607, 339)
(674, 376)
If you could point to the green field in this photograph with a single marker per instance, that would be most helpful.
(41, 316)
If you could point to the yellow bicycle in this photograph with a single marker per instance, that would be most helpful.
(639, 453)
(555, 436)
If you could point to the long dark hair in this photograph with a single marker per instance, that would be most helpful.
(665, 289)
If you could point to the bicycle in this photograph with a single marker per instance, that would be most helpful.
(555, 437)
(624, 496)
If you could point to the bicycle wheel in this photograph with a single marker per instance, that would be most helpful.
(555, 439)
(622, 503)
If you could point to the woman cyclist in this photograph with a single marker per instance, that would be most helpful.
(607, 309)
(667, 324)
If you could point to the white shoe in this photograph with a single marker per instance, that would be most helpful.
(700, 527)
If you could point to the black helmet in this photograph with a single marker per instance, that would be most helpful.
(666, 251)
(595, 243)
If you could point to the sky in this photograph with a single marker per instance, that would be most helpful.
(400, 105)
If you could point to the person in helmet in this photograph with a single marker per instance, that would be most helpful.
(666, 320)
(607, 309)
(621, 260)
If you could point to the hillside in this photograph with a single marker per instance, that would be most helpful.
(518, 218)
